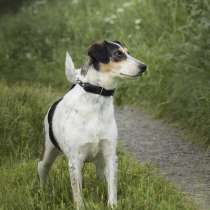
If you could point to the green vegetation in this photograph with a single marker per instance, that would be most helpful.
(21, 139)
(138, 189)
(22, 111)
(170, 36)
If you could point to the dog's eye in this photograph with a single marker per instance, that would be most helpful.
(118, 53)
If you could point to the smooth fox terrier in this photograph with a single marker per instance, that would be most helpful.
(82, 125)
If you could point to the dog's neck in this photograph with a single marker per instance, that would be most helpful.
(95, 77)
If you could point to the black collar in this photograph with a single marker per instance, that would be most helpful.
(96, 89)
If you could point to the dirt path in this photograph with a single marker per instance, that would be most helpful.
(181, 162)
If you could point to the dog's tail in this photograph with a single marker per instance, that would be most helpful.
(70, 69)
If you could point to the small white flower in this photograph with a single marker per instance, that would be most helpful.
(110, 19)
(137, 21)
(39, 3)
(129, 36)
(127, 4)
(75, 1)
(120, 10)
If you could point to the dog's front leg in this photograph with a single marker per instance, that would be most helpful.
(111, 175)
(75, 170)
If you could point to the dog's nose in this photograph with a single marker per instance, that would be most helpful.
(142, 68)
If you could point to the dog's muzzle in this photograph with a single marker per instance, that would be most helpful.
(142, 68)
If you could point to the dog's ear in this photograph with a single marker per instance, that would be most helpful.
(70, 69)
(99, 52)
(118, 42)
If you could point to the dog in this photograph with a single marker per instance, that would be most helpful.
(81, 125)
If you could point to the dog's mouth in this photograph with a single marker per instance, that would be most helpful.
(131, 76)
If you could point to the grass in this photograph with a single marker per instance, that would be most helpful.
(138, 189)
(22, 111)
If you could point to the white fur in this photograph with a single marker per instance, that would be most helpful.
(84, 127)
(69, 69)
(130, 68)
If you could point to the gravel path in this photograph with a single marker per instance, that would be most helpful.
(151, 140)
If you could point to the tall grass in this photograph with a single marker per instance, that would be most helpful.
(138, 189)
(21, 125)
(170, 36)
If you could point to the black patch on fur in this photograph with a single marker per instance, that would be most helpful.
(118, 42)
(104, 51)
(118, 55)
(98, 53)
(111, 47)
(50, 121)
(115, 53)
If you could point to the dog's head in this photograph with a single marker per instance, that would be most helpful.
(113, 58)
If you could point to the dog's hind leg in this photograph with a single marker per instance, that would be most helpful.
(49, 155)
(45, 164)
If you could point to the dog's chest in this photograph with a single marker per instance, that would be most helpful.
(85, 120)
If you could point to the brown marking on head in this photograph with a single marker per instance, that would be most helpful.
(98, 53)
(125, 49)
(110, 66)
(106, 53)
